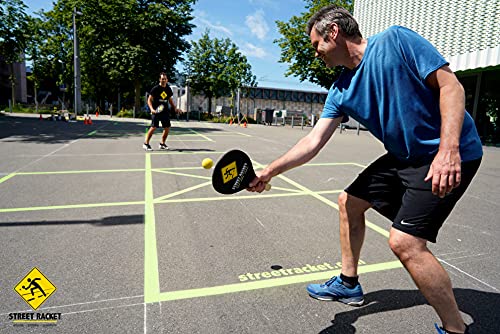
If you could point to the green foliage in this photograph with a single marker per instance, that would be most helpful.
(124, 44)
(215, 67)
(296, 48)
(13, 29)
(13, 35)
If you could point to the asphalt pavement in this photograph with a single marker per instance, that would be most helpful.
(128, 241)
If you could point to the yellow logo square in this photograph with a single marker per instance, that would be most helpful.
(163, 95)
(35, 288)
(229, 172)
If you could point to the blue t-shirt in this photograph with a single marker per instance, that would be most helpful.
(387, 93)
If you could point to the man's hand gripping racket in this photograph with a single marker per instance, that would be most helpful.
(233, 173)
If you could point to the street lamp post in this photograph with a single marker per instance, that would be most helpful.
(62, 87)
(188, 97)
(76, 63)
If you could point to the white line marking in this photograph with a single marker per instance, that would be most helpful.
(145, 322)
(469, 275)
(102, 308)
(78, 304)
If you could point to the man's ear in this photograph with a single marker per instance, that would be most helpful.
(334, 31)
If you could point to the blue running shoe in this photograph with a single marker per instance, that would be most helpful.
(441, 330)
(335, 290)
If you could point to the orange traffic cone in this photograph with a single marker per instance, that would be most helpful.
(40, 118)
(89, 122)
(96, 114)
(230, 122)
(85, 120)
(245, 124)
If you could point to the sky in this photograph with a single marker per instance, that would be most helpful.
(250, 24)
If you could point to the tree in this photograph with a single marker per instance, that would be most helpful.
(296, 48)
(13, 36)
(215, 67)
(123, 43)
(34, 53)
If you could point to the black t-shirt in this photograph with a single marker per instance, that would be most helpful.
(161, 95)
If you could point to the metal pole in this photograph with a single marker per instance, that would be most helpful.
(187, 96)
(76, 63)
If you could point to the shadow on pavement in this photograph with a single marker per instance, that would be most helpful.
(30, 129)
(481, 306)
(107, 221)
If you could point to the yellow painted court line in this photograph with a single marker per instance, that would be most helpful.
(287, 189)
(334, 164)
(84, 171)
(230, 198)
(71, 206)
(326, 192)
(201, 135)
(151, 274)
(269, 283)
(368, 224)
(5, 178)
(184, 174)
(241, 134)
(316, 195)
(161, 199)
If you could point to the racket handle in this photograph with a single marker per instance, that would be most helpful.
(268, 187)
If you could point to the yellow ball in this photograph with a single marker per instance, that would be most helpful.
(207, 163)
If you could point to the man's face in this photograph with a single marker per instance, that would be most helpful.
(324, 49)
(163, 80)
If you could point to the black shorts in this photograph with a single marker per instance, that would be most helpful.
(164, 117)
(397, 190)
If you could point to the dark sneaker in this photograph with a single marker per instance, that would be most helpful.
(335, 290)
(147, 147)
(441, 330)
(163, 146)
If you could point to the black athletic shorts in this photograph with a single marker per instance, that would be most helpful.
(164, 117)
(397, 190)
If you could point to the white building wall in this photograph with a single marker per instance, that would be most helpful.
(466, 32)
(248, 105)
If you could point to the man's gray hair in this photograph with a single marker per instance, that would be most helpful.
(323, 19)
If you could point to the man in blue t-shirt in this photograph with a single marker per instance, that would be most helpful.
(401, 89)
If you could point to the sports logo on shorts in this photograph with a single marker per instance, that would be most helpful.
(229, 172)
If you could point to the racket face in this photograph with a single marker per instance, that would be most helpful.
(233, 172)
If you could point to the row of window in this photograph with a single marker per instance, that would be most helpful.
(285, 95)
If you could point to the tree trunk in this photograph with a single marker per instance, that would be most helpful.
(209, 106)
(137, 85)
(13, 84)
(35, 98)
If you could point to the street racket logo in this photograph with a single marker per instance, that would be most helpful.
(229, 172)
(233, 173)
(35, 288)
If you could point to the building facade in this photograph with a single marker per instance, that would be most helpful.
(466, 33)
(5, 84)
(253, 99)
